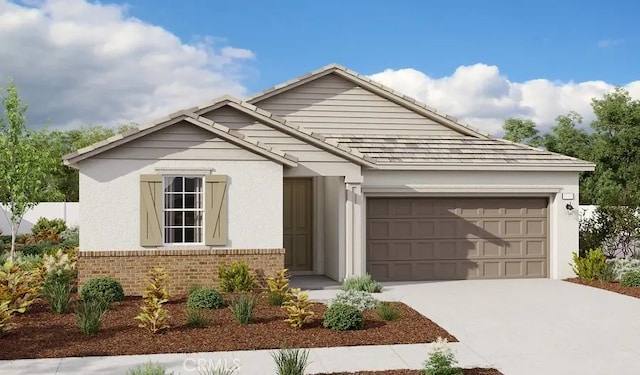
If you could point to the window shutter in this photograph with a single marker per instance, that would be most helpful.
(215, 212)
(150, 210)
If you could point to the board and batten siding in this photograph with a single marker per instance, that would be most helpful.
(181, 141)
(334, 105)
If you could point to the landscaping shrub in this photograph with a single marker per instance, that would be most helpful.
(620, 266)
(362, 283)
(39, 248)
(242, 307)
(57, 290)
(43, 224)
(89, 315)
(291, 361)
(196, 318)
(589, 267)
(298, 308)
(358, 299)
(154, 317)
(340, 317)
(149, 368)
(441, 360)
(630, 278)
(278, 288)
(102, 288)
(235, 278)
(70, 238)
(6, 313)
(205, 298)
(20, 287)
(387, 311)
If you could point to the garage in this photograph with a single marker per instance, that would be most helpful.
(457, 238)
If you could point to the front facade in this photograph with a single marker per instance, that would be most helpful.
(329, 174)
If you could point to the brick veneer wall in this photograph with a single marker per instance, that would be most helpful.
(185, 267)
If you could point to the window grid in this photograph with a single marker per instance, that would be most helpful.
(183, 210)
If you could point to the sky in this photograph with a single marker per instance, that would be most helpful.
(81, 62)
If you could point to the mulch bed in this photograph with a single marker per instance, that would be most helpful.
(466, 371)
(41, 334)
(612, 287)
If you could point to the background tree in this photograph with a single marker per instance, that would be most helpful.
(26, 161)
(521, 131)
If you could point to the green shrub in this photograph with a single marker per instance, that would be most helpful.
(356, 298)
(43, 224)
(70, 238)
(441, 360)
(196, 318)
(89, 315)
(620, 266)
(57, 290)
(387, 311)
(242, 308)
(102, 288)
(205, 298)
(40, 248)
(149, 368)
(291, 361)
(235, 278)
(630, 278)
(341, 317)
(277, 289)
(591, 266)
(362, 283)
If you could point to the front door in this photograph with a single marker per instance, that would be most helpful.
(298, 224)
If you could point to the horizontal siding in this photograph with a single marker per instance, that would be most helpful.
(248, 126)
(181, 141)
(333, 105)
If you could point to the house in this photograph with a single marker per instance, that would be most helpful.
(328, 174)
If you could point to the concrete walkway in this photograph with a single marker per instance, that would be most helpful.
(256, 362)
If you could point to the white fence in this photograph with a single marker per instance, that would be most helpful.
(69, 211)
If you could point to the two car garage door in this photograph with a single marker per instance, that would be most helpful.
(457, 238)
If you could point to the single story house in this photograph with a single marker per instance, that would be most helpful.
(328, 174)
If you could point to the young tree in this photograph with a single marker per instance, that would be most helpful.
(521, 131)
(26, 163)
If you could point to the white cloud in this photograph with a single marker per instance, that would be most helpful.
(482, 97)
(608, 43)
(78, 62)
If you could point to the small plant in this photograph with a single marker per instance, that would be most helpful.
(102, 288)
(154, 317)
(149, 368)
(362, 283)
(21, 287)
(90, 314)
(70, 238)
(6, 313)
(298, 308)
(358, 299)
(631, 278)
(278, 288)
(441, 360)
(43, 224)
(291, 361)
(219, 370)
(205, 298)
(387, 311)
(242, 307)
(57, 290)
(61, 264)
(235, 278)
(591, 266)
(620, 266)
(341, 317)
(196, 318)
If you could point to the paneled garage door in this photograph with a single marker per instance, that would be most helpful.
(456, 238)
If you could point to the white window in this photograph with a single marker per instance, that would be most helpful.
(183, 210)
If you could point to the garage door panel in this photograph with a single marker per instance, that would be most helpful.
(456, 238)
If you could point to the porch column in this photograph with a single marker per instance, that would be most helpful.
(355, 259)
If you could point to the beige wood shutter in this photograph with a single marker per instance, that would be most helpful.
(215, 211)
(150, 210)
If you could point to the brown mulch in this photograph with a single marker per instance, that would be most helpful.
(466, 371)
(612, 287)
(41, 334)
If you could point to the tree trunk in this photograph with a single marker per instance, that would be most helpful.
(12, 254)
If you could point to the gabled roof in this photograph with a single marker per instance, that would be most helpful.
(218, 130)
(429, 152)
(375, 87)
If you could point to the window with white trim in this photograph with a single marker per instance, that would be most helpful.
(183, 210)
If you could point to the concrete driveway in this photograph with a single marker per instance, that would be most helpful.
(534, 326)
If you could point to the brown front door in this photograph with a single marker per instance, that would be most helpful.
(298, 224)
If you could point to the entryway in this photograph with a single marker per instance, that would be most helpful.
(298, 224)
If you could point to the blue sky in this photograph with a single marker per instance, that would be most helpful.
(81, 62)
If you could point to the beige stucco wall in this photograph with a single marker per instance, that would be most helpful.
(333, 215)
(110, 199)
(563, 223)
